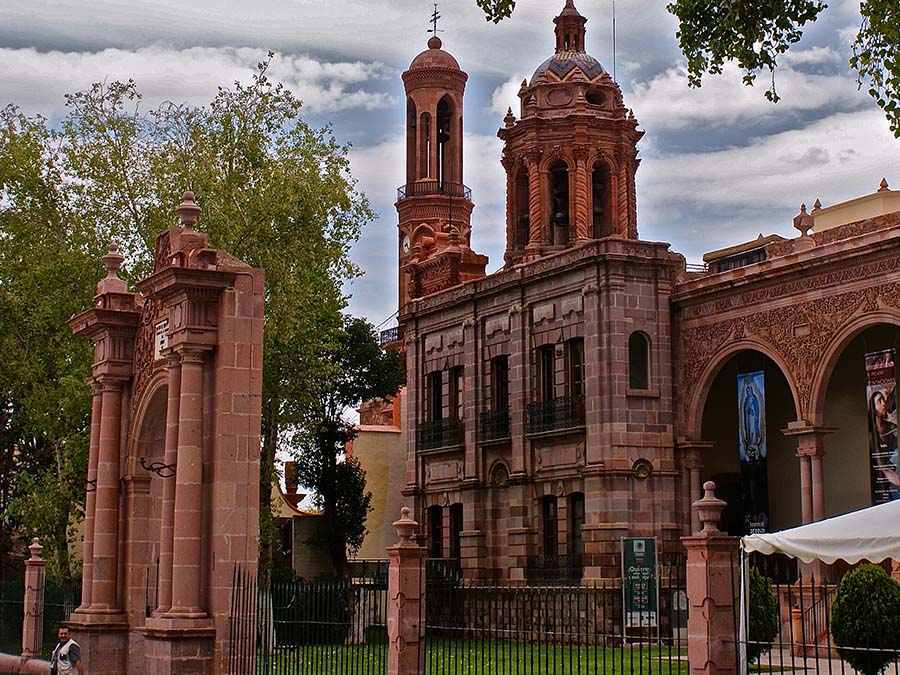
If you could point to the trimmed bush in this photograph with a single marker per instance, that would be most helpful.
(866, 615)
(763, 616)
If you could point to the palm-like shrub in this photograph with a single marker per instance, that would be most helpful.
(865, 619)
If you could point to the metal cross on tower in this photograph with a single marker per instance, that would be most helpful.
(434, 21)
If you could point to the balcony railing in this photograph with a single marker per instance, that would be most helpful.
(389, 336)
(553, 569)
(494, 425)
(565, 412)
(425, 188)
(440, 433)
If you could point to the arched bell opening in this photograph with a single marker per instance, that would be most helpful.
(424, 131)
(860, 409)
(601, 200)
(521, 215)
(449, 143)
(412, 122)
(753, 464)
(559, 217)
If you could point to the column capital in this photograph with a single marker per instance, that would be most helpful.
(189, 352)
(810, 438)
(107, 382)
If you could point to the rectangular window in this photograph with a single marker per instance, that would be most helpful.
(545, 375)
(500, 383)
(548, 517)
(576, 367)
(576, 523)
(435, 396)
(456, 527)
(435, 532)
(456, 393)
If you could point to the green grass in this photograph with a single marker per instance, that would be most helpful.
(446, 656)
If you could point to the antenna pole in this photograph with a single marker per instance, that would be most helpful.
(614, 38)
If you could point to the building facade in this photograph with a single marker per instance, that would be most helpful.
(583, 392)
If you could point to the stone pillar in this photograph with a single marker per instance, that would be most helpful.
(33, 610)
(188, 522)
(711, 568)
(535, 202)
(90, 496)
(105, 567)
(406, 601)
(810, 451)
(167, 517)
(582, 211)
(472, 390)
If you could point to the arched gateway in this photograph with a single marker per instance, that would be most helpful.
(172, 504)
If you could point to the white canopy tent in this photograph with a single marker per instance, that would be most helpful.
(871, 534)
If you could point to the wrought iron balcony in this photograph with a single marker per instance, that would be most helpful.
(443, 433)
(494, 425)
(565, 412)
(390, 336)
(556, 569)
(428, 187)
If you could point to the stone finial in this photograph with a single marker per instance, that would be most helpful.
(709, 509)
(112, 261)
(434, 42)
(188, 211)
(406, 527)
(883, 186)
(35, 549)
(803, 221)
(510, 119)
(524, 85)
(817, 205)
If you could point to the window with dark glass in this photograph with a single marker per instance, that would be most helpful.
(435, 532)
(545, 375)
(638, 361)
(456, 526)
(549, 526)
(576, 367)
(576, 523)
(434, 394)
(500, 383)
(456, 393)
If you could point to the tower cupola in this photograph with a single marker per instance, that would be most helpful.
(570, 29)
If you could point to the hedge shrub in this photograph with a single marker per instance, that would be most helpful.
(763, 626)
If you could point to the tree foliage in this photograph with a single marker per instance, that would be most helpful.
(865, 619)
(763, 617)
(357, 369)
(275, 193)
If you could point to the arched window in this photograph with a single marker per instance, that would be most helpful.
(638, 361)
(559, 203)
(425, 146)
(412, 121)
(522, 218)
(601, 202)
(444, 136)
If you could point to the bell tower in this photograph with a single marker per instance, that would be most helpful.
(434, 206)
(571, 157)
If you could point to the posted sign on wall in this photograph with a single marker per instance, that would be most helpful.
(639, 581)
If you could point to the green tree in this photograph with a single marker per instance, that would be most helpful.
(275, 193)
(358, 369)
(865, 619)
(753, 33)
(763, 617)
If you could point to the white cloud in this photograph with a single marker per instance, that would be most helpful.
(506, 96)
(37, 81)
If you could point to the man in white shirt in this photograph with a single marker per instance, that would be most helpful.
(66, 657)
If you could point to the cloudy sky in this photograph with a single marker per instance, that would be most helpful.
(720, 164)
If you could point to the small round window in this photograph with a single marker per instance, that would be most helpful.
(595, 97)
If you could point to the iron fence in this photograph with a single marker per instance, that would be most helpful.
(553, 569)
(494, 425)
(297, 627)
(12, 602)
(60, 599)
(480, 628)
(802, 639)
(441, 433)
(564, 412)
(424, 188)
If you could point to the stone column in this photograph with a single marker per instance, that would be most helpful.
(167, 518)
(105, 567)
(692, 454)
(406, 601)
(519, 359)
(473, 386)
(90, 496)
(187, 525)
(810, 451)
(535, 202)
(711, 568)
(33, 610)
(582, 210)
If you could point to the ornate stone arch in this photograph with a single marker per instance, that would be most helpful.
(833, 351)
(693, 423)
(153, 402)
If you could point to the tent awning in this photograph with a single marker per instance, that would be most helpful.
(868, 534)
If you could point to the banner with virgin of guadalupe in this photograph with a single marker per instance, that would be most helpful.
(881, 396)
(752, 444)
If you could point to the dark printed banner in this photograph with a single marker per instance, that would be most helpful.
(881, 383)
(752, 443)
(640, 589)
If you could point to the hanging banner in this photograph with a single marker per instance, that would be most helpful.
(752, 444)
(881, 383)
(640, 588)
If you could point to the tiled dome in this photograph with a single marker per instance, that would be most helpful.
(569, 66)
(434, 57)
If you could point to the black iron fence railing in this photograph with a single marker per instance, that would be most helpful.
(390, 336)
(443, 433)
(426, 187)
(60, 599)
(494, 425)
(565, 412)
(555, 569)
(297, 627)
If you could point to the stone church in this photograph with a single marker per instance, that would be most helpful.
(583, 392)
